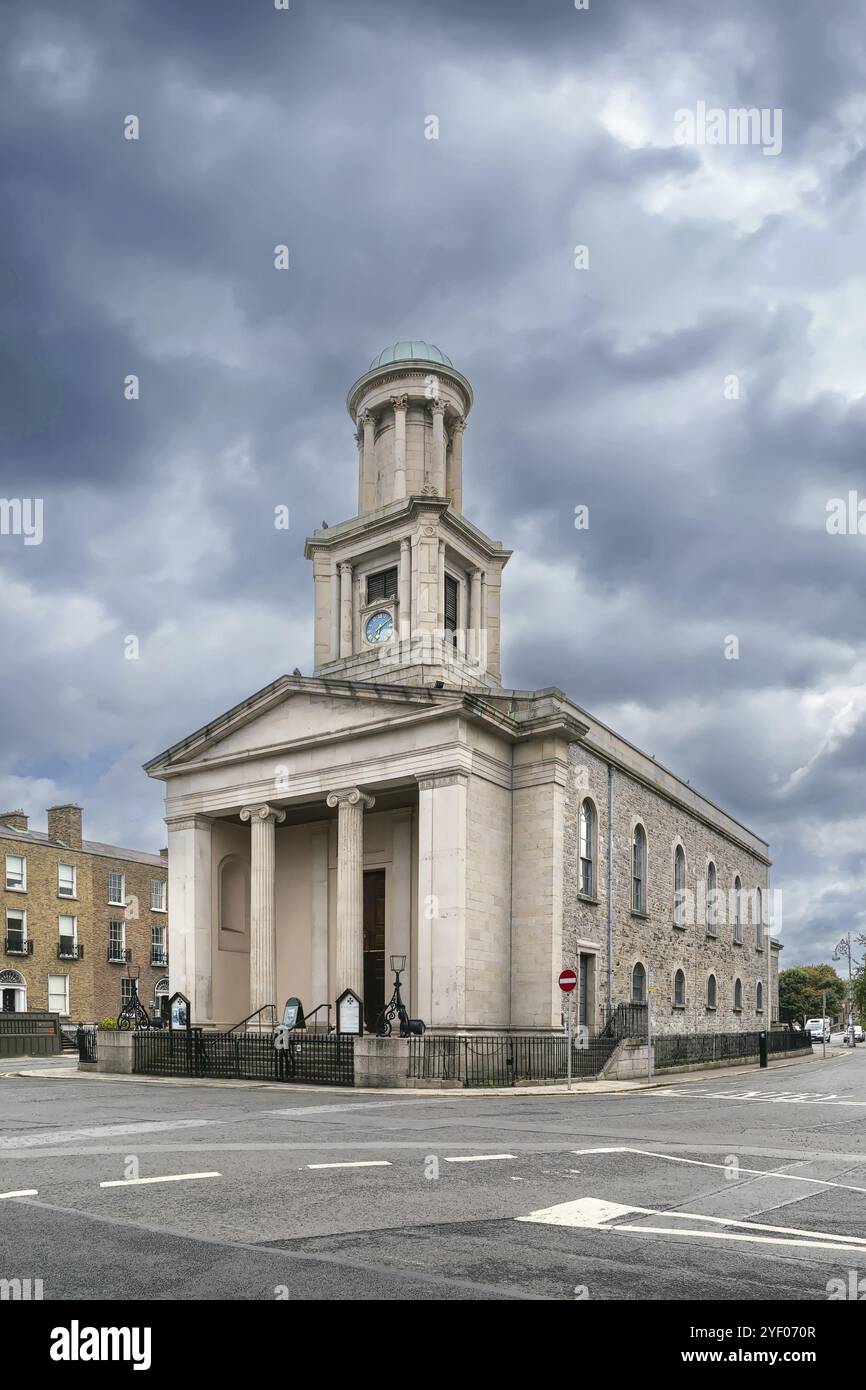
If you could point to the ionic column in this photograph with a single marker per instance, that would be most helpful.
(405, 590)
(351, 804)
(437, 408)
(440, 586)
(335, 611)
(368, 422)
(263, 924)
(345, 610)
(454, 481)
(359, 440)
(399, 403)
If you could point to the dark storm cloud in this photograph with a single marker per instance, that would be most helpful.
(603, 387)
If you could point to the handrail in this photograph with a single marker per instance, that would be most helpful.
(313, 1012)
(244, 1021)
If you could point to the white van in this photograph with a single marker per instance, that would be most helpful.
(819, 1029)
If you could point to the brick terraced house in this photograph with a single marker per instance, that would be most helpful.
(79, 918)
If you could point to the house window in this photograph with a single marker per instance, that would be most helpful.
(16, 931)
(638, 871)
(117, 941)
(452, 590)
(16, 872)
(58, 994)
(759, 920)
(759, 998)
(738, 910)
(638, 984)
(680, 989)
(382, 585)
(587, 848)
(126, 988)
(116, 894)
(680, 887)
(157, 894)
(68, 927)
(712, 905)
(66, 880)
(158, 955)
(738, 995)
(712, 992)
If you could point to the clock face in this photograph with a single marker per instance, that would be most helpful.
(379, 627)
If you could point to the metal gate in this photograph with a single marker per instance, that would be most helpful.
(328, 1059)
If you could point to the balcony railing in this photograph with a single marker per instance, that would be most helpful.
(118, 955)
(158, 956)
(18, 946)
(69, 950)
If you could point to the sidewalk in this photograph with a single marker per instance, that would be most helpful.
(64, 1068)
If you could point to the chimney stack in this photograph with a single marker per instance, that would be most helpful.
(17, 819)
(64, 823)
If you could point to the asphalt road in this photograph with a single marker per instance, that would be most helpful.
(745, 1187)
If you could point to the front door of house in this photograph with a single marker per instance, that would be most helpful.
(9, 1001)
(374, 946)
(584, 990)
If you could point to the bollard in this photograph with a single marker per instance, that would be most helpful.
(762, 1048)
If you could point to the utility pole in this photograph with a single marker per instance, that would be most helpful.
(844, 949)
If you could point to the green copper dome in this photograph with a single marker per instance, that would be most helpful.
(407, 351)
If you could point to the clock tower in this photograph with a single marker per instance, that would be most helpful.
(408, 591)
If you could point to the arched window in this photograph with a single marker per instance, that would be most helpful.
(759, 998)
(588, 842)
(638, 870)
(680, 989)
(738, 995)
(680, 887)
(638, 984)
(759, 920)
(738, 910)
(234, 901)
(712, 905)
(712, 993)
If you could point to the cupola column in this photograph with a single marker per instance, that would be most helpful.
(405, 590)
(400, 404)
(437, 408)
(345, 610)
(454, 480)
(368, 422)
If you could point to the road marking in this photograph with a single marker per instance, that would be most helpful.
(172, 1177)
(359, 1163)
(25, 1192)
(772, 1097)
(702, 1163)
(69, 1136)
(478, 1158)
(586, 1212)
(591, 1213)
(338, 1109)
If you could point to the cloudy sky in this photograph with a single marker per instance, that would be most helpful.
(699, 385)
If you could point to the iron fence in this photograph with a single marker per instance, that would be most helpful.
(86, 1042)
(503, 1061)
(680, 1049)
(328, 1060)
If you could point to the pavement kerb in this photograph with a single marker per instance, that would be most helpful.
(580, 1088)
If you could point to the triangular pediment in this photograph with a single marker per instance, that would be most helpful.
(299, 709)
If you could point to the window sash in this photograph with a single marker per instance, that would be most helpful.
(382, 586)
(68, 926)
(58, 994)
(16, 871)
(452, 589)
(116, 887)
(16, 924)
(66, 880)
(157, 895)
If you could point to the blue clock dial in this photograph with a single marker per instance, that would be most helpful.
(379, 627)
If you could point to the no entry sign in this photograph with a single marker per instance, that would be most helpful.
(567, 981)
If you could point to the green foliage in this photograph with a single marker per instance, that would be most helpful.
(108, 1025)
(859, 993)
(800, 990)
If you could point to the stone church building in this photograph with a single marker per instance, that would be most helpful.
(401, 801)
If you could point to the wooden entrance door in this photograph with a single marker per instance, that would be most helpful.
(374, 946)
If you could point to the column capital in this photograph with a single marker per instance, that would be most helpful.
(351, 796)
(442, 777)
(457, 423)
(400, 402)
(195, 821)
(345, 568)
(263, 812)
(366, 417)
(437, 406)
(406, 543)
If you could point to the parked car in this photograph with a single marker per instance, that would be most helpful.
(859, 1033)
(819, 1029)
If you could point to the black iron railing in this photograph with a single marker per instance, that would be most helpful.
(158, 957)
(248, 1056)
(680, 1049)
(505, 1061)
(624, 1021)
(19, 946)
(69, 950)
(118, 955)
(86, 1042)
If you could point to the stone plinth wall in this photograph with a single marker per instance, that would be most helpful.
(114, 1052)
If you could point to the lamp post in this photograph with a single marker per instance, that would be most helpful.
(395, 1008)
(842, 950)
(133, 1014)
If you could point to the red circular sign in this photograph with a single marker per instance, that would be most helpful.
(567, 981)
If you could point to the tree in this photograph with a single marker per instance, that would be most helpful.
(858, 992)
(801, 987)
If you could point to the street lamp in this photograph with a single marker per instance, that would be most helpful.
(842, 950)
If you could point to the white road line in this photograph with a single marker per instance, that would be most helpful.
(172, 1177)
(770, 1097)
(478, 1158)
(702, 1163)
(69, 1136)
(359, 1163)
(298, 1111)
(25, 1192)
(591, 1213)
